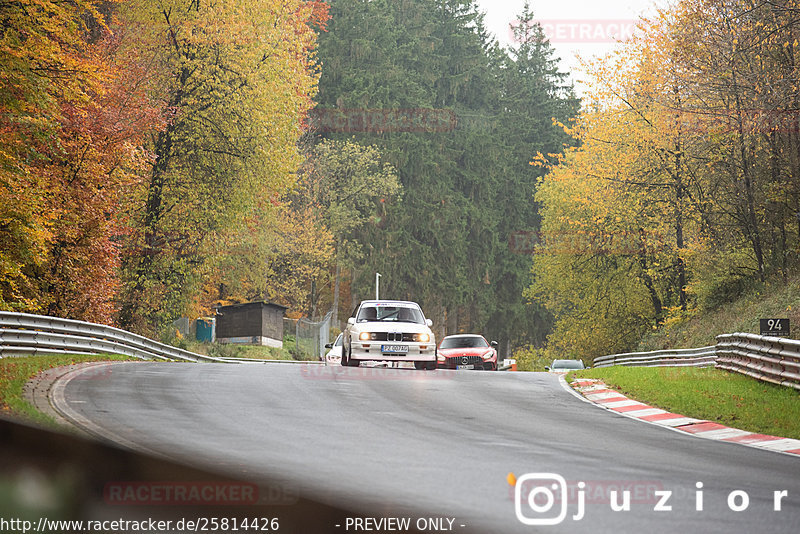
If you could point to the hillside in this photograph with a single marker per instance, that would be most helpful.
(776, 299)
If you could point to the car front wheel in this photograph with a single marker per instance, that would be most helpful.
(347, 361)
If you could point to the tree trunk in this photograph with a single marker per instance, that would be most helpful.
(679, 243)
(337, 274)
(751, 225)
(658, 308)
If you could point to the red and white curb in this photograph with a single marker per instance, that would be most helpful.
(600, 394)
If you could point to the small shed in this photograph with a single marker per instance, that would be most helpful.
(252, 323)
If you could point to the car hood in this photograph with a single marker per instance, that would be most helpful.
(390, 326)
(475, 351)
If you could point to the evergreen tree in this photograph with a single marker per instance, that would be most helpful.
(467, 183)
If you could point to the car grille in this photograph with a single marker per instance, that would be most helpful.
(464, 360)
(393, 336)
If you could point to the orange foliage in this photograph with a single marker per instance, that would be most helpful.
(69, 142)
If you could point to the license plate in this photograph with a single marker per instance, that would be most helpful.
(470, 366)
(394, 349)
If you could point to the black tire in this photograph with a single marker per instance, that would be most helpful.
(427, 366)
(419, 366)
(347, 361)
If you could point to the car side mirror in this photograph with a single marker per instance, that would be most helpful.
(493, 343)
(429, 323)
(546, 368)
(328, 345)
(351, 320)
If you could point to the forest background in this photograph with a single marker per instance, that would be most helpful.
(161, 158)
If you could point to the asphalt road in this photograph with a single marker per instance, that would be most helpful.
(399, 442)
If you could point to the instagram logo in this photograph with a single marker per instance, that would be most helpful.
(542, 498)
(540, 492)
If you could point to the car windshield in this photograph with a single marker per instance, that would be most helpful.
(463, 342)
(400, 314)
(338, 342)
(567, 364)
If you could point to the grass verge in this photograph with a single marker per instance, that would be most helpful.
(259, 352)
(706, 393)
(15, 372)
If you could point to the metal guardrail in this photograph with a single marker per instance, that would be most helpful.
(702, 357)
(26, 334)
(771, 359)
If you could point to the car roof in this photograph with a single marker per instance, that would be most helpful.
(462, 335)
(404, 302)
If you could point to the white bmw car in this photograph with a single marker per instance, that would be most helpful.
(389, 330)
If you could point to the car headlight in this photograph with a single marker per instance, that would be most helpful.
(440, 357)
(488, 355)
(422, 338)
(365, 336)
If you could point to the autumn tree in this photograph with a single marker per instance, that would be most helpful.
(351, 187)
(70, 153)
(743, 69)
(689, 141)
(299, 267)
(603, 264)
(238, 77)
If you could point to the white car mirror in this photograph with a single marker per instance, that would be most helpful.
(429, 323)
(351, 320)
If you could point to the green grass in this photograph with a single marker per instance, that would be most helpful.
(231, 350)
(15, 372)
(258, 352)
(706, 393)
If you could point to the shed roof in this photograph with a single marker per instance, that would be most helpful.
(245, 305)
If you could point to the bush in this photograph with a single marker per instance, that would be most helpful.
(530, 358)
